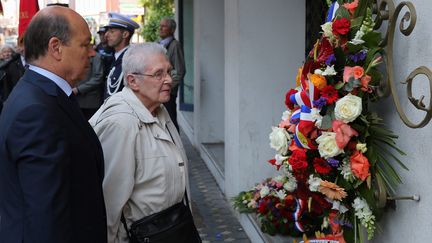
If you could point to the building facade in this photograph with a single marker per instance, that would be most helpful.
(241, 58)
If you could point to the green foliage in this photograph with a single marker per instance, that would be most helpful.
(155, 10)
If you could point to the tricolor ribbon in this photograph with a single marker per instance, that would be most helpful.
(302, 117)
(332, 11)
(297, 214)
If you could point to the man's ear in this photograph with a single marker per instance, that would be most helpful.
(132, 82)
(55, 48)
(125, 34)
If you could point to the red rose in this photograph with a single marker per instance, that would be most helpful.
(288, 102)
(298, 160)
(321, 166)
(341, 26)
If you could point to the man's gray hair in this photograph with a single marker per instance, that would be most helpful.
(138, 57)
(171, 23)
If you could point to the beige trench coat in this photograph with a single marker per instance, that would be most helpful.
(145, 163)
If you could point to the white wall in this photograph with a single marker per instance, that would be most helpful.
(411, 222)
(209, 71)
(264, 43)
(264, 46)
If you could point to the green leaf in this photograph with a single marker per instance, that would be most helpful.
(372, 39)
(326, 122)
(354, 48)
(361, 8)
(339, 85)
(340, 58)
(342, 12)
(356, 23)
(371, 55)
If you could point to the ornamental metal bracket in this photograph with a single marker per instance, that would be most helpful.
(385, 10)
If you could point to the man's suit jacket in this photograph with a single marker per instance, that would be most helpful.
(51, 165)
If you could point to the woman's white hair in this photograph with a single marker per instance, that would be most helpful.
(138, 56)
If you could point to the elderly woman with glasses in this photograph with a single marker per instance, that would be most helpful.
(145, 164)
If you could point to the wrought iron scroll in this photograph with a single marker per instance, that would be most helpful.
(385, 10)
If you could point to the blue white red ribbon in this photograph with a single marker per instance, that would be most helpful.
(303, 117)
(297, 214)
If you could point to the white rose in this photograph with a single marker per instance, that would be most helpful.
(327, 146)
(279, 139)
(264, 191)
(348, 108)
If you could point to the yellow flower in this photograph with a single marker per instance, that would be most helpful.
(298, 77)
(332, 190)
(318, 81)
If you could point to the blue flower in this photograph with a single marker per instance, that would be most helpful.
(333, 162)
(330, 59)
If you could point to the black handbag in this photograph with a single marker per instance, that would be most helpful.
(174, 224)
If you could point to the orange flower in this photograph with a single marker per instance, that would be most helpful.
(360, 165)
(332, 190)
(351, 7)
(356, 72)
(298, 77)
(365, 83)
(318, 81)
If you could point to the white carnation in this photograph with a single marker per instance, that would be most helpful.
(264, 191)
(314, 183)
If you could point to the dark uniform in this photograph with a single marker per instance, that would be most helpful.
(114, 81)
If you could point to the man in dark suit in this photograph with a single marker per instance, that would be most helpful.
(51, 161)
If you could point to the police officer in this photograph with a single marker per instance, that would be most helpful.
(119, 33)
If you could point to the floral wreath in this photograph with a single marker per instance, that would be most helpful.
(334, 154)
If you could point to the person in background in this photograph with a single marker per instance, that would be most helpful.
(119, 33)
(6, 53)
(12, 70)
(106, 53)
(88, 91)
(145, 163)
(51, 160)
(167, 28)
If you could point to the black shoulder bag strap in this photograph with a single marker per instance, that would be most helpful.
(123, 219)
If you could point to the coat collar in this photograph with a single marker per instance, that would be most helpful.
(141, 111)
